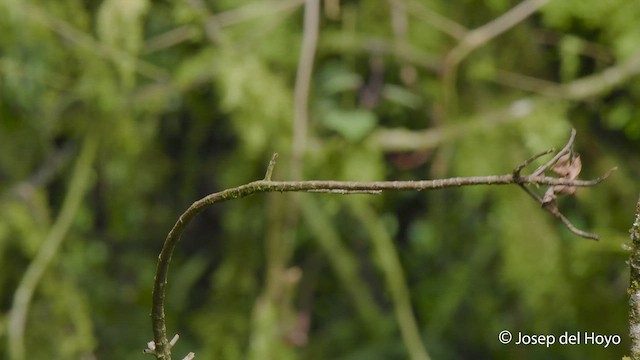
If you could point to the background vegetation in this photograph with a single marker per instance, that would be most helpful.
(116, 115)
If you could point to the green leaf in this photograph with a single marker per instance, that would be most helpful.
(336, 79)
(353, 125)
(195, 68)
(570, 48)
(401, 96)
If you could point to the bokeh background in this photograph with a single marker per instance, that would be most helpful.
(116, 115)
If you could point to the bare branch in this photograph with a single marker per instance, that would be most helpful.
(80, 180)
(162, 347)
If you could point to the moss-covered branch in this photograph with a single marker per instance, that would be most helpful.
(634, 287)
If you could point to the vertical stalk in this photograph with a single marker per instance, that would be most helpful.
(634, 286)
(23, 296)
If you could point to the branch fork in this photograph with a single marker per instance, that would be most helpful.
(566, 164)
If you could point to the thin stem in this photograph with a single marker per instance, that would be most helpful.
(564, 151)
(303, 81)
(436, 20)
(272, 164)
(477, 38)
(314, 214)
(395, 279)
(518, 169)
(49, 249)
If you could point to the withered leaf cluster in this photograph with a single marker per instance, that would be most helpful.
(567, 167)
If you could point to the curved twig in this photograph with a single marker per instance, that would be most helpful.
(162, 347)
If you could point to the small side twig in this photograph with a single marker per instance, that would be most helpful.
(565, 150)
(519, 168)
(555, 212)
(272, 164)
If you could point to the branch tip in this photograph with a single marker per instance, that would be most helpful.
(174, 340)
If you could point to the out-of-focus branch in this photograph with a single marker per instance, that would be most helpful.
(400, 26)
(586, 47)
(303, 80)
(213, 23)
(482, 35)
(477, 38)
(436, 20)
(252, 11)
(48, 170)
(580, 89)
(399, 139)
(522, 82)
(348, 43)
(396, 283)
(599, 83)
(34, 13)
(49, 249)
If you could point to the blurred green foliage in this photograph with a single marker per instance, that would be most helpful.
(192, 97)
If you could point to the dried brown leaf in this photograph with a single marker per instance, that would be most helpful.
(567, 167)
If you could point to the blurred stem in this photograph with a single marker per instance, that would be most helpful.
(400, 26)
(78, 186)
(342, 261)
(580, 89)
(303, 82)
(477, 38)
(396, 282)
(272, 309)
(85, 41)
(634, 287)
(437, 21)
